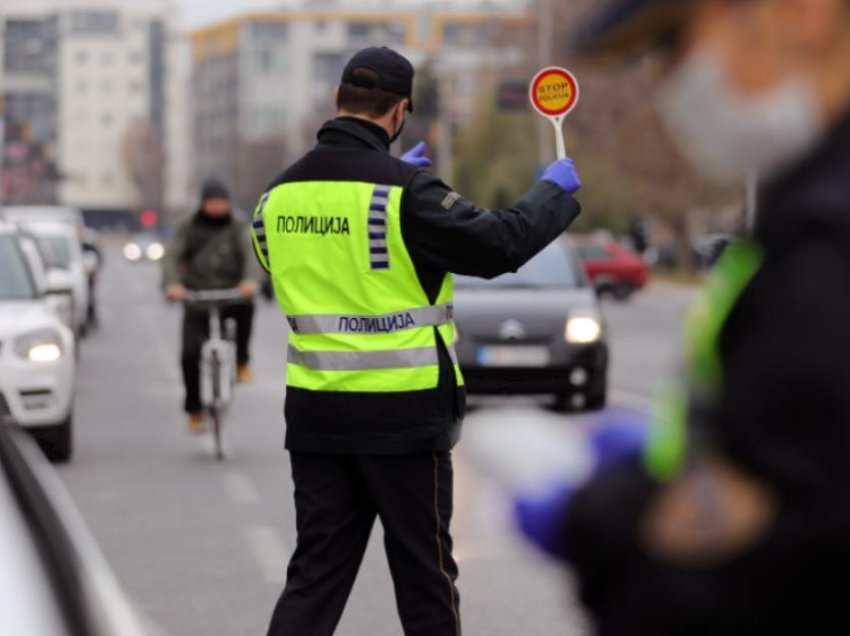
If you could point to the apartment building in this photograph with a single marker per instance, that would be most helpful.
(89, 86)
(264, 81)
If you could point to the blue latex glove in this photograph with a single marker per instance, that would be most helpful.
(540, 516)
(540, 519)
(563, 173)
(416, 156)
(621, 435)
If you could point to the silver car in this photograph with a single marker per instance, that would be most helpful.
(537, 331)
(54, 580)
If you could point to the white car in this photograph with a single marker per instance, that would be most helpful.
(61, 213)
(54, 580)
(66, 267)
(37, 351)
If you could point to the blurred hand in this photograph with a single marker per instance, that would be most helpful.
(177, 293)
(563, 173)
(248, 289)
(416, 156)
(619, 436)
(540, 518)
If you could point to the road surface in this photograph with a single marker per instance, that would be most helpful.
(201, 546)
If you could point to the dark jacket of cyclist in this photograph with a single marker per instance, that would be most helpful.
(211, 250)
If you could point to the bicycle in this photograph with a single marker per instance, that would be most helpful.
(218, 359)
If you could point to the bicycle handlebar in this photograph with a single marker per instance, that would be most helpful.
(215, 296)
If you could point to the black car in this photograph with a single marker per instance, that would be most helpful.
(537, 331)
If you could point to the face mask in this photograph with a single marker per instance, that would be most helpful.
(399, 131)
(728, 136)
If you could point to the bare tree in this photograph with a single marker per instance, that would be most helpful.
(144, 156)
(258, 162)
(629, 166)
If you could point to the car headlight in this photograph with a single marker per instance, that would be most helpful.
(583, 327)
(155, 251)
(132, 252)
(44, 345)
(62, 306)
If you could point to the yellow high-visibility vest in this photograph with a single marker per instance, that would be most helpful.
(360, 319)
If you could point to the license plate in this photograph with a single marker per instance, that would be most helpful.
(513, 356)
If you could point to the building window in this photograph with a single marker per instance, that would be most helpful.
(106, 86)
(328, 68)
(29, 46)
(359, 30)
(268, 121)
(106, 119)
(269, 60)
(136, 58)
(95, 22)
(268, 30)
(82, 57)
(136, 87)
(465, 35)
(82, 87)
(107, 59)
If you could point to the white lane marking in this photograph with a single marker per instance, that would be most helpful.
(636, 401)
(269, 552)
(240, 488)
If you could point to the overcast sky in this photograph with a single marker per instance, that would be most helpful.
(195, 13)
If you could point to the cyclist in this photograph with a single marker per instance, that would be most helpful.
(211, 250)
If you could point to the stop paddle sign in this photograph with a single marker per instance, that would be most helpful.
(554, 94)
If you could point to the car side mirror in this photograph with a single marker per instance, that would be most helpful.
(59, 282)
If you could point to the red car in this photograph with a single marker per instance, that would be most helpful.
(611, 267)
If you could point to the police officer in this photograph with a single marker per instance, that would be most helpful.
(735, 517)
(361, 247)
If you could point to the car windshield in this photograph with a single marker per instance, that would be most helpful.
(56, 250)
(553, 268)
(15, 283)
(594, 253)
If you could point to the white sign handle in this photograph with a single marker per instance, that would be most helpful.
(558, 123)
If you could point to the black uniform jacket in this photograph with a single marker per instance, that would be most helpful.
(443, 233)
(784, 416)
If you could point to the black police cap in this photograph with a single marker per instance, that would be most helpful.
(393, 73)
(625, 28)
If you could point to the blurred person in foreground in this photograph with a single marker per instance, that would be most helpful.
(211, 250)
(361, 247)
(733, 515)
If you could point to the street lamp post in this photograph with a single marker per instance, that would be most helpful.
(545, 53)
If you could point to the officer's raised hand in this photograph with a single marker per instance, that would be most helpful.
(563, 173)
(416, 156)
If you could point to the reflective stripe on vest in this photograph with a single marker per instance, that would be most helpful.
(363, 360)
(675, 425)
(378, 249)
(388, 323)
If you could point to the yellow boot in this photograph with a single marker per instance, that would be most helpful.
(196, 423)
(244, 374)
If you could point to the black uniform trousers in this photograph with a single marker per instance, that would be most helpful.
(337, 499)
(196, 330)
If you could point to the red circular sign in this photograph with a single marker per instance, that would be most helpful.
(554, 92)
